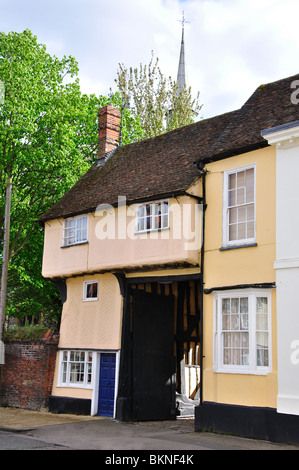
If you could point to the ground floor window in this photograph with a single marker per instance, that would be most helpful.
(242, 333)
(76, 368)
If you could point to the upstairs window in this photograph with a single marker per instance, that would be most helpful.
(152, 216)
(75, 230)
(239, 206)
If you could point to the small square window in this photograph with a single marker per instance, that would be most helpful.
(90, 290)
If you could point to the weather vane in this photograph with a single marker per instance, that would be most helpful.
(183, 21)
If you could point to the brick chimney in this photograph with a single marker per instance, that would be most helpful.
(109, 118)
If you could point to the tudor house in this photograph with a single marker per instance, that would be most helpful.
(177, 261)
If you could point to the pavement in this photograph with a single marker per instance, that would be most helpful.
(41, 430)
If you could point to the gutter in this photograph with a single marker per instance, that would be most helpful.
(202, 174)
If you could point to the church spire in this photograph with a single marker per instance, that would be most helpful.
(181, 77)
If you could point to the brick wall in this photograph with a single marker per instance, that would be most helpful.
(27, 375)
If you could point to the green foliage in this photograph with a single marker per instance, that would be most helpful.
(155, 99)
(25, 333)
(38, 150)
(48, 140)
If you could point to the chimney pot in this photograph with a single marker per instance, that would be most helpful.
(109, 118)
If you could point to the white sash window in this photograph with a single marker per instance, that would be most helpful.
(242, 331)
(239, 206)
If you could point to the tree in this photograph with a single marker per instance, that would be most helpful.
(155, 99)
(48, 139)
(37, 129)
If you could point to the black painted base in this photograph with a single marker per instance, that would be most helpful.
(246, 421)
(77, 406)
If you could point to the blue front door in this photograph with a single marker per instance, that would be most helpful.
(107, 384)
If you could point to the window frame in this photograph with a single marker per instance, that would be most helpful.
(65, 368)
(226, 242)
(76, 230)
(218, 348)
(85, 285)
(152, 216)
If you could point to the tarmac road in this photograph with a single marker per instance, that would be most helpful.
(26, 430)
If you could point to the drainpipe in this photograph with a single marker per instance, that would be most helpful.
(202, 174)
(5, 264)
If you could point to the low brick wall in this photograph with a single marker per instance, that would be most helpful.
(27, 375)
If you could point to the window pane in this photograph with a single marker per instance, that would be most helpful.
(240, 196)
(164, 221)
(244, 305)
(235, 305)
(250, 195)
(141, 225)
(244, 325)
(226, 322)
(225, 305)
(250, 230)
(249, 176)
(262, 340)
(232, 181)
(165, 207)
(233, 230)
(262, 305)
(262, 359)
(148, 217)
(235, 322)
(64, 372)
(250, 212)
(242, 214)
(241, 231)
(262, 322)
(232, 198)
(240, 179)
(91, 290)
(233, 216)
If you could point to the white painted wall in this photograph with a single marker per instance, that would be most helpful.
(286, 140)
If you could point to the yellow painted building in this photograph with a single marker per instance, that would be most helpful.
(165, 253)
(234, 270)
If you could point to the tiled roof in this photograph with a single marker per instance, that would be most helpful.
(164, 165)
(152, 168)
(269, 106)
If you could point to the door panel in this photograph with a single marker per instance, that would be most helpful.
(107, 384)
(153, 363)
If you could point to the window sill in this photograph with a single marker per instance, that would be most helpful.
(74, 244)
(235, 247)
(68, 385)
(243, 372)
(154, 230)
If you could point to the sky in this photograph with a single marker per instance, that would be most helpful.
(231, 46)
